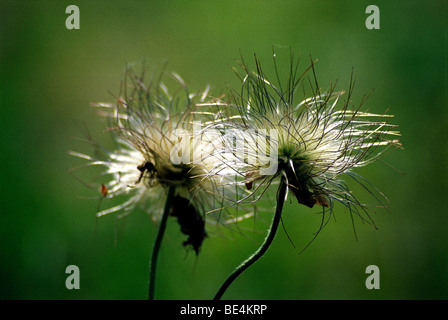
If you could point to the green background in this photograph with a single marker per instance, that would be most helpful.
(50, 75)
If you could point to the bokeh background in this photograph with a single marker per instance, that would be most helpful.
(50, 75)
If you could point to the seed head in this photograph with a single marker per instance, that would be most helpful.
(312, 142)
(159, 145)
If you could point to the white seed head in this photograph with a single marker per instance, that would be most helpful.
(160, 143)
(311, 142)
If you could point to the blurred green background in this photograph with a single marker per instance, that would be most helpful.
(50, 75)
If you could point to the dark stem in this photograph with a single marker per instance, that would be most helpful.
(281, 195)
(158, 243)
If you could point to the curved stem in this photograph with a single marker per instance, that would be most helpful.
(158, 243)
(281, 196)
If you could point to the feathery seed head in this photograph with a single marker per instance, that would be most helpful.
(314, 141)
(160, 146)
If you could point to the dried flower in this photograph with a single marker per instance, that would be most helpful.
(304, 146)
(161, 144)
(311, 142)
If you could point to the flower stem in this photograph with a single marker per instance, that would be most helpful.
(281, 196)
(158, 243)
